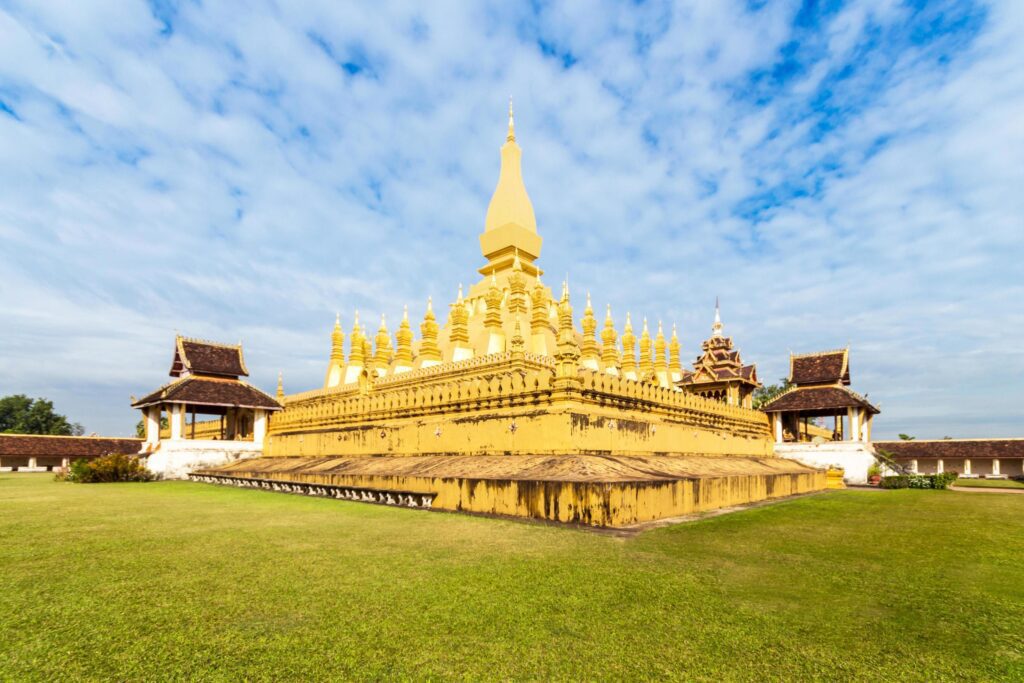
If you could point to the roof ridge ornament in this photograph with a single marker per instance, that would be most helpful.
(812, 354)
(716, 328)
(511, 122)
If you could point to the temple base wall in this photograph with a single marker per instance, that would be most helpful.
(540, 430)
(676, 487)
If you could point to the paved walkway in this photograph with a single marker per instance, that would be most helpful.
(979, 489)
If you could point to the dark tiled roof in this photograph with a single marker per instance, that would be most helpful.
(746, 373)
(818, 398)
(820, 368)
(65, 446)
(209, 391)
(207, 358)
(954, 449)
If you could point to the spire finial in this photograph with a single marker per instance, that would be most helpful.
(511, 122)
(337, 319)
(459, 300)
(716, 329)
(430, 304)
(280, 385)
(405, 312)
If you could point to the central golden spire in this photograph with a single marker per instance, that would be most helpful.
(510, 225)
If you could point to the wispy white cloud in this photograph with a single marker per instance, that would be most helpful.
(842, 175)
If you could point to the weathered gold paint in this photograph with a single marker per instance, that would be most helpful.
(498, 405)
(594, 490)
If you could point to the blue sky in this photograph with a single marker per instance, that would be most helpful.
(838, 173)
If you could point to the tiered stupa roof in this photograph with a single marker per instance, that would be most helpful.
(719, 362)
(820, 385)
(208, 374)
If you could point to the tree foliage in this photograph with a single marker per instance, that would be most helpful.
(20, 414)
(767, 393)
(906, 437)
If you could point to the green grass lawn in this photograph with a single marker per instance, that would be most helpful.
(990, 483)
(176, 580)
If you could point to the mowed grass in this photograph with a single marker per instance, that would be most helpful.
(990, 483)
(177, 580)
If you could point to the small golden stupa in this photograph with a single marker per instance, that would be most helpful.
(508, 408)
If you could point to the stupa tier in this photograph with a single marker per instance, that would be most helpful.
(591, 425)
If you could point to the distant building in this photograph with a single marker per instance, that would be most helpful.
(45, 453)
(988, 458)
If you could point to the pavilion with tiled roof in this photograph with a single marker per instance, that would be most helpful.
(820, 388)
(207, 381)
(719, 373)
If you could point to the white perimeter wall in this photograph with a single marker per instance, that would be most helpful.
(175, 458)
(853, 456)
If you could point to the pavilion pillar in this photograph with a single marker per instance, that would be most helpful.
(913, 465)
(967, 465)
(177, 416)
(938, 466)
(259, 425)
(65, 462)
(777, 419)
(153, 424)
(854, 416)
(995, 467)
(32, 463)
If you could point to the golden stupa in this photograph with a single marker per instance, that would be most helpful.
(509, 409)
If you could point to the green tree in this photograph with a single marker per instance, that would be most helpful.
(906, 437)
(764, 395)
(20, 414)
